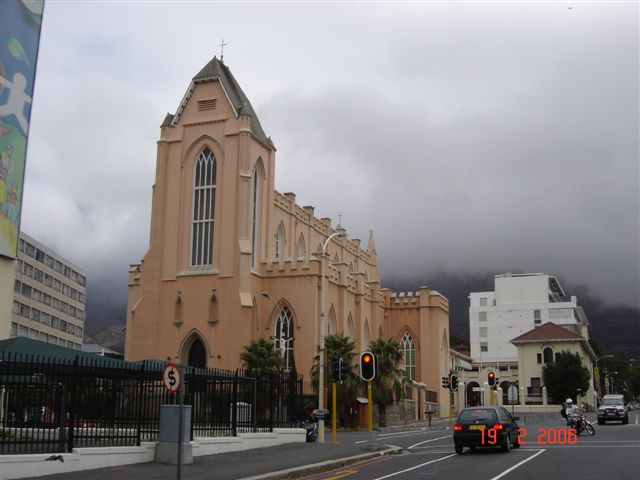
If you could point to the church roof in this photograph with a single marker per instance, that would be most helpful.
(216, 70)
(547, 332)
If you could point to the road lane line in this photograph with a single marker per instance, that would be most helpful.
(417, 466)
(517, 465)
(428, 441)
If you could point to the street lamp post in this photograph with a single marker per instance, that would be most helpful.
(597, 379)
(340, 233)
(609, 383)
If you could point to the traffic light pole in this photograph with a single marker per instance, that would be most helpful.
(372, 439)
(334, 412)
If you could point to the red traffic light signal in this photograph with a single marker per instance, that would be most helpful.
(491, 379)
(367, 366)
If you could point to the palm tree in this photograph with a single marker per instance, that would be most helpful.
(339, 346)
(261, 359)
(391, 381)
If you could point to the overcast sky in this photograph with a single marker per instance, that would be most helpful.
(470, 136)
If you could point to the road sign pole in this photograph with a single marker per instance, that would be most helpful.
(334, 413)
(180, 426)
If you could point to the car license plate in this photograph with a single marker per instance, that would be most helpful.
(476, 427)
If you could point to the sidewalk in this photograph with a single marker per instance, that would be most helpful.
(281, 462)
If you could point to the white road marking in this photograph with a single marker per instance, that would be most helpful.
(428, 441)
(517, 465)
(386, 436)
(417, 466)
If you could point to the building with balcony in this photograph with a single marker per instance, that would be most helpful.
(519, 303)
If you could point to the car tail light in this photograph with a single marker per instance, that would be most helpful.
(457, 428)
(498, 426)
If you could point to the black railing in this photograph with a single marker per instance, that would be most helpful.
(49, 406)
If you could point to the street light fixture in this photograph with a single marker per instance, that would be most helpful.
(597, 379)
(610, 384)
(339, 233)
(281, 340)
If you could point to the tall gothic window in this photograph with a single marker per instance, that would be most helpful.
(408, 348)
(254, 219)
(204, 207)
(284, 336)
(301, 250)
(279, 243)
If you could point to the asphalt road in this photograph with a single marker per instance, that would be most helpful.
(613, 453)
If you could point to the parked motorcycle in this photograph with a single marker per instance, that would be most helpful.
(312, 430)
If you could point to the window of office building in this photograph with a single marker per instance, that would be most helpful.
(483, 332)
(537, 318)
(484, 347)
(482, 316)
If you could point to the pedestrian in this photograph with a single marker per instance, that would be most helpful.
(429, 414)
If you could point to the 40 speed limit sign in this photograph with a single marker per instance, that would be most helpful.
(172, 377)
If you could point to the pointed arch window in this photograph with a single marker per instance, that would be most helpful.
(204, 207)
(366, 335)
(254, 218)
(350, 329)
(333, 324)
(547, 355)
(408, 349)
(301, 250)
(279, 243)
(283, 337)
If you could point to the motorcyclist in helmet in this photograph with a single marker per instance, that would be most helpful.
(572, 411)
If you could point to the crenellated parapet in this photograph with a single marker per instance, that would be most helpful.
(286, 202)
(424, 297)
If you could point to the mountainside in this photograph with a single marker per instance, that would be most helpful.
(613, 327)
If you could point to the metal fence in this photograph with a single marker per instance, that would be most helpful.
(50, 405)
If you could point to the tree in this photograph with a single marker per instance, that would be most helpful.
(564, 377)
(634, 380)
(339, 346)
(391, 381)
(261, 359)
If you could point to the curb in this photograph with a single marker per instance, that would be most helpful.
(327, 465)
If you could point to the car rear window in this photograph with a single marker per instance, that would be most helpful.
(478, 415)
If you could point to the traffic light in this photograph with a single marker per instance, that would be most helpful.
(491, 379)
(453, 382)
(337, 371)
(446, 382)
(367, 366)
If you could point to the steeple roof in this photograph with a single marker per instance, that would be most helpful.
(216, 70)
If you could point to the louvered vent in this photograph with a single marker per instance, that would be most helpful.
(206, 104)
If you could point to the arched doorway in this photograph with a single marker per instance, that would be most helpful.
(197, 356)
(474, 398)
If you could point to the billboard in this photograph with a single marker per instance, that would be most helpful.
(20, 22)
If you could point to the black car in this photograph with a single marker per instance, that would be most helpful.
(485, 427)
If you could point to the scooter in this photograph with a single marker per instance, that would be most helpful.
(312, 430)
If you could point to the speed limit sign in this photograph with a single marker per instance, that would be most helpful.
(172, 377)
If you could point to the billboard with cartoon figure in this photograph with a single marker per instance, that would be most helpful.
(20, 22)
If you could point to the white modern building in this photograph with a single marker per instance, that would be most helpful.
(519, 303)
(49, 296)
